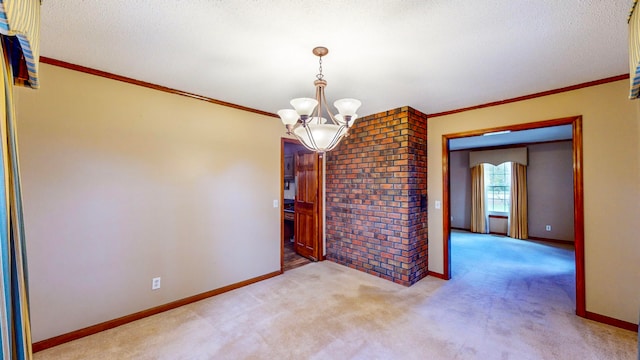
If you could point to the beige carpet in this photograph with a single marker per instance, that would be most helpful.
(328, 311)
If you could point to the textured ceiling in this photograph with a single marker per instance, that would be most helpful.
(433, 55)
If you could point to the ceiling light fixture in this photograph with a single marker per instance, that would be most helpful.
(307, 123)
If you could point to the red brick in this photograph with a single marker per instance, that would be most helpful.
(374, 182)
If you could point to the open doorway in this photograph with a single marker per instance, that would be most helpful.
(578, 226)
(301, 198)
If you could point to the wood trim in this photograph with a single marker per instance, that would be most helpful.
(61, 339)
(554, 241)
(578, 216)
(611, 321)
(319, 254)
(446, 210)
(498, 216)
(578, 195)
(87, 70)
(283, 142)
(321, 194)
(535, 95)
(437, 275)
(515, 127)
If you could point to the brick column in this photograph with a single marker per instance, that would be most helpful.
(376, 188)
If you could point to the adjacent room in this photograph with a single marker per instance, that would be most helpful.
(296, 180)
(512, 207)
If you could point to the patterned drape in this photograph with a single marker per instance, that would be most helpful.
(19, 34)
(16, 330)
(518, 227)
(20, 23)
(478, 213)
(634, 52)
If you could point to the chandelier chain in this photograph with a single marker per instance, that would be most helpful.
(319, 76)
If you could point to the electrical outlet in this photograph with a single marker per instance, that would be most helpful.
(548, 227)
(155, 283)
(275, 203)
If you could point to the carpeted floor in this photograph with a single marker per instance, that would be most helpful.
(509, 299)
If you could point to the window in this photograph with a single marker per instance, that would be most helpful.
(497, 186)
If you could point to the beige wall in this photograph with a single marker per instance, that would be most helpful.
(123, 183)
(611, 185)
(460, 193)
(550, 190)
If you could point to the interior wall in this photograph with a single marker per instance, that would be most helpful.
(460, 194)
(611, 173)
(550, 190)
(122, 184)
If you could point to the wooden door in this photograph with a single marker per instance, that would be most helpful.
(308, 205)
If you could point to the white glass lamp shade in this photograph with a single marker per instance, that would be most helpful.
(288, 116)
(347, 107)
(304, 106)
(320, 137)
(340, 120)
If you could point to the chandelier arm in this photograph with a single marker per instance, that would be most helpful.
(337, 137)
(320, 100)
(301, 140)
(324, 101)
(303, 143)
(312, 140)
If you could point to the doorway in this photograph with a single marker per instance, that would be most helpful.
(301, 197)
(578, 196)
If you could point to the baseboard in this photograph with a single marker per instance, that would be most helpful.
(61, 339)
(438, 275)
(555, 241)
(458, 228)
(611, 321)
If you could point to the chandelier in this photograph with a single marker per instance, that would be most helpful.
(306, 122)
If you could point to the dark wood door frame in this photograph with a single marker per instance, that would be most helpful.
(578, 197)
(320, 245)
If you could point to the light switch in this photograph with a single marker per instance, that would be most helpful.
(275, 203)
(437, 204)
